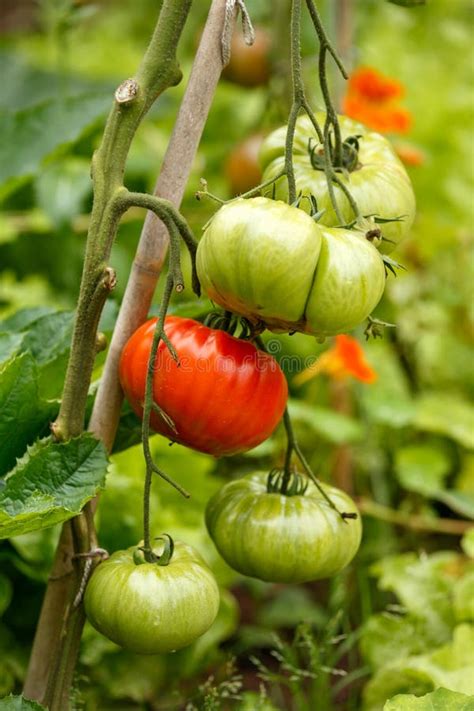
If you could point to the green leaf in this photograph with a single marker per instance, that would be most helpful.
(423, 585)
(129, 431)
(26, 84)
(24, 415)
(408, 3)
(439, 700)
(6, 593)
(450, 667)
(290, 607)
(251, 701)
(422, 468)
(31, 134)
(20, 320)
(331, 426)
(51, 483)
(49, 336)
(447, 415)
(387, 637)
(467, 542)
(10, 344)
(460, 501)
(61, 189)
(388, 400)
(49, 339)
(36, 552)
(464, 598)
(19, 703)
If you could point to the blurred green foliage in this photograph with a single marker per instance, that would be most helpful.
(405, 617)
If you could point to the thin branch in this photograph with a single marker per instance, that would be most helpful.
(414, 522)
(298, 96)
(323, 38)
(173, 281)
(166, 211)
(293, 446)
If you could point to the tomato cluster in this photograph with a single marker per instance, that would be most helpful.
(371, 171)
(280, 268)
(273, 263)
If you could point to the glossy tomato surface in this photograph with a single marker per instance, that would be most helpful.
(273, 263)
(225, 396)
(147, 608)
(380, 184)
(279, 538)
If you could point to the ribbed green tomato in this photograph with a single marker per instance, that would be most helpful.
(257, 258)
(379, 184)
(348, 284)
(148, 608)
(273, 263)
(281, 538)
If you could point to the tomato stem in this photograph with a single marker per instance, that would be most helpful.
(204, 193)
(293, 446)
(173, 279)
(333, 158)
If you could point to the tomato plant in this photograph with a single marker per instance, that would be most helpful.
(242, 167)
(225, 396)
(249, 65)
(372, 171)
(288, 538)
(149, 608)
(273, 263)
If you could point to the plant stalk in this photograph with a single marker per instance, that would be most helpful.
(59, 630)
(414, 522)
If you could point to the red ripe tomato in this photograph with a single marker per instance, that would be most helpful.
(224, 397)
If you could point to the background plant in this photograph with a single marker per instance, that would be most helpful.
(404, 442)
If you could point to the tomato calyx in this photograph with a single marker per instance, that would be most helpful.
(143, 555)
(234, 325)
(287, 483)
(349, 155)
(375, 328)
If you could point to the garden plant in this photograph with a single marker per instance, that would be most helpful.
(235, 356)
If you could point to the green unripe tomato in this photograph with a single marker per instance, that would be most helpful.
(257, 258)
(281, 538)
(379, 183)
(273, 263)
(149, 608)
(348, 284)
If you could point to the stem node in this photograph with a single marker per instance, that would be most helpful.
(126, 92)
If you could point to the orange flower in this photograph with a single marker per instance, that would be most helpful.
(385, 119)
(409, 154)
(373, 99)
(369, 84)
(346, 358)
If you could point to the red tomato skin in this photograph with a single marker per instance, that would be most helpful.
(225, 396)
